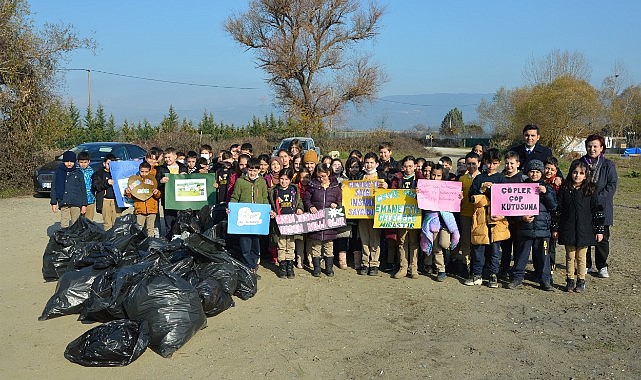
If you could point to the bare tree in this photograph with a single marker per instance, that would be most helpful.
(556, 64)
(307, 48)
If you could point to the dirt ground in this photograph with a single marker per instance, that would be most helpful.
(348, 326)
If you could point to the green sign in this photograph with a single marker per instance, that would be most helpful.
(189, 191)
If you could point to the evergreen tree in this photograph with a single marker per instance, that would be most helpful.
(452, 123)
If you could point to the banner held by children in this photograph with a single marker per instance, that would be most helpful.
(515, 199)
(325, 219)
(120, 173)
(396, 208)
(358, 199)
(248, 218)
(439, 195)
(189, 191)
(142, 188)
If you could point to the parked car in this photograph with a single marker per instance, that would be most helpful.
(306, 143)
(43, 176)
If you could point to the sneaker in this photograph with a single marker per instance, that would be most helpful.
(569, 285)
(547, 287)
(590, 270)
(441, 276)
(504, 275)
(493, 282)
(603, 272)
(373, 271)
(363, 271)
(473, 280)
(580, 286)
(514, 284)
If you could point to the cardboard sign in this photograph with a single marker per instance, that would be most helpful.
(325, 219)
(248, 218)
(189, 191)
(358, 199)
(439, 195)
(142, 188)
(515, 199)
(120, 173)
(396, 208)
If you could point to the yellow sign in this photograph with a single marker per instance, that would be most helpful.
(358, 199)
(396, 208)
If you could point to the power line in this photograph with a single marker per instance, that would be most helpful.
(425, 105)
(161, 80)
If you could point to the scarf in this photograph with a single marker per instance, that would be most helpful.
(61, 178)
(595, 165)
(370, 172)
(432, 224)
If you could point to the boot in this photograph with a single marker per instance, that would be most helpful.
(290, 269)
(317, 268)
(342, 260)
(357, 260)
(570, 285)
(282, 269)
(329, 266)
(309, 260)
(402, 272)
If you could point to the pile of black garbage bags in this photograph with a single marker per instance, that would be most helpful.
(146, 291)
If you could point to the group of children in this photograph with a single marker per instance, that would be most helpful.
(472, 243)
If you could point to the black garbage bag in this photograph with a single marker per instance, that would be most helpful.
(113, 344)
(213, 298)
(82, 253)
(125, 235)
(211, 215)
(110, 289)
(186, 223)
(73, 289)
(224, 272)
(209, 250)
(171, 307)
(58, 254)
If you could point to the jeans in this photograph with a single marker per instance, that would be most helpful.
(250, 249)
(540, 259)
(492, 253)
(601, 251)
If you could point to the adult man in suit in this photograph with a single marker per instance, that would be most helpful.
(530, 149)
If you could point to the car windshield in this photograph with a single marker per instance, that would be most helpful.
(304, 144)
(98, 152)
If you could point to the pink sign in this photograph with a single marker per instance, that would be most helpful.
(439, 195)
(515, 199)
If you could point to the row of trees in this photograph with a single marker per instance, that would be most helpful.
(559, 98)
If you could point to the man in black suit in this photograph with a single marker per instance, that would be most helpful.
(530, 150)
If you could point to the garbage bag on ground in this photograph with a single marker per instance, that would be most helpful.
(186, 222)
(213, 298)
(211, 215)
(125, 235)
(113, 344)
(72, 291)
(211, 251)
(58, 253)
(224, 272)
(110, 289)
(171, 307)
(82, 253)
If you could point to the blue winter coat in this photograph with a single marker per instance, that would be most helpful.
(75, 190)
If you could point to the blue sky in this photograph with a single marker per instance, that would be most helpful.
(424, 47)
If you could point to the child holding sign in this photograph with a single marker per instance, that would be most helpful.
(534, 233)
(145, 209)
(285, 199)
(407, 238)
(487, 230)
(323, 192)
(581, 222)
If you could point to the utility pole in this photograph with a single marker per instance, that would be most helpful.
(89, 85)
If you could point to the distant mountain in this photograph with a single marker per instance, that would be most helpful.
(400, 112)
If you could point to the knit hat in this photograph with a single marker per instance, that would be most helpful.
(68, 156)
(278, 159)
(310, 156)
(535, 165)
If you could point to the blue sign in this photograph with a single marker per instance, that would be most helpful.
(248, 218)
(120, 173)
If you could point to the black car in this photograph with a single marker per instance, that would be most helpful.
(43, 176)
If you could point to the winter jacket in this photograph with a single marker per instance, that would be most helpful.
(580, 218)
(148, 206)
(606, 186)
(88, 174)
(101, 187)
(75, 190)
(482, 224)
(317, 196)
(247, 191)
(540, 227)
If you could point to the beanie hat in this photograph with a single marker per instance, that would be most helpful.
(310, 156)
(535, 165)
(68, 156)
(278, 159)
